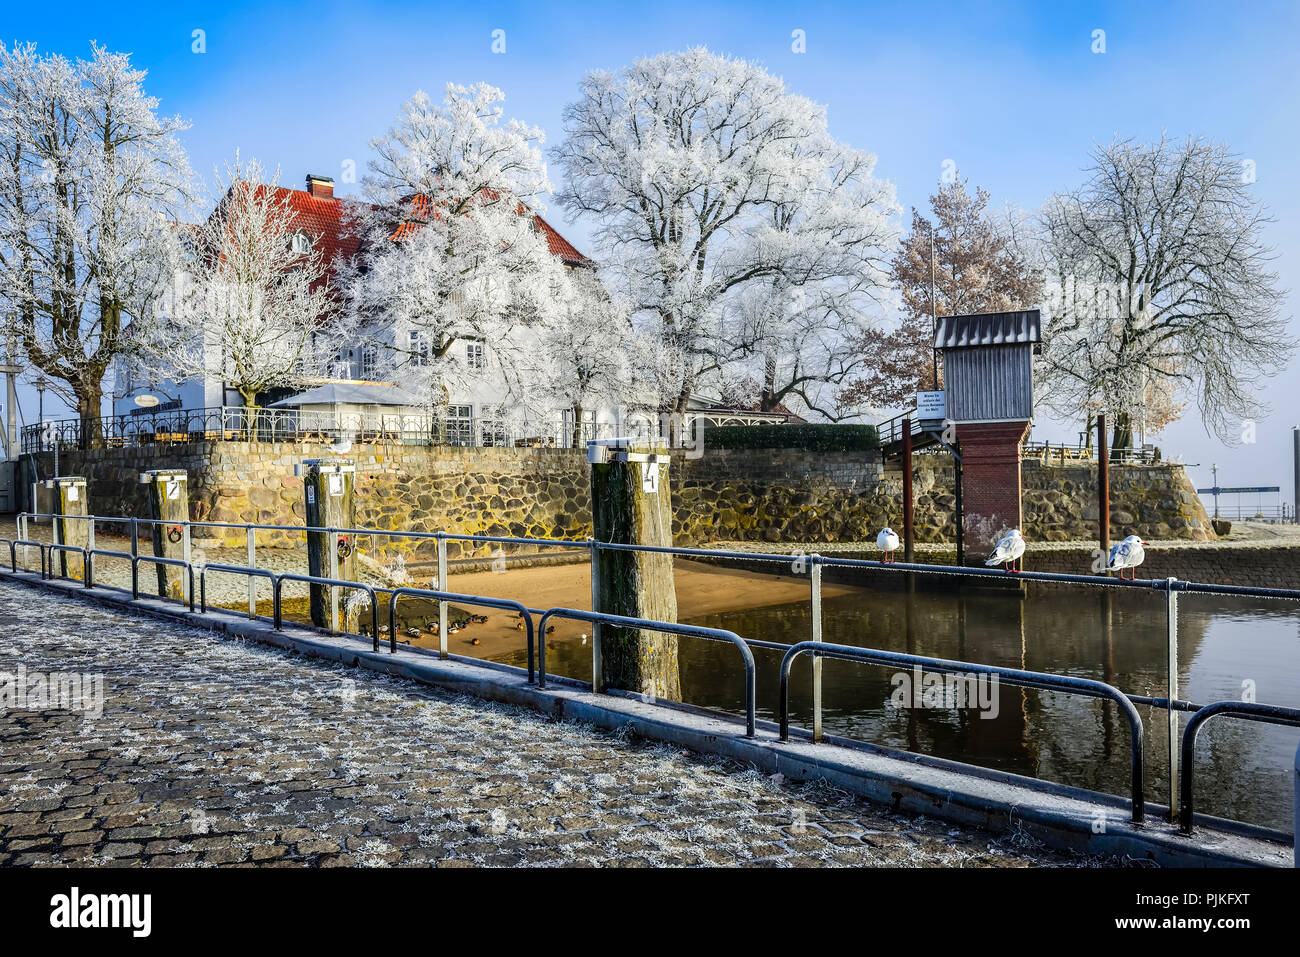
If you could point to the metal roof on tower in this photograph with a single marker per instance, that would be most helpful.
(989, 329)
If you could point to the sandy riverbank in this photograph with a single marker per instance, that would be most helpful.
(701, 589)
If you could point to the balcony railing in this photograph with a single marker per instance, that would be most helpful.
(242, 424)
(1062, 453)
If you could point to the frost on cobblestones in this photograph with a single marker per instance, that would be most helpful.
(213, 752)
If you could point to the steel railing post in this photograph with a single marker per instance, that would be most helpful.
(597, 663)
(333, 538)
(251, 545)
(815, 578)
(1171, 692)
(442, 586)
(90, 549)
(188, 580)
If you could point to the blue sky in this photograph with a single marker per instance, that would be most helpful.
(1011, 92)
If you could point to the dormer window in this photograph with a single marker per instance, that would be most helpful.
(300, 243)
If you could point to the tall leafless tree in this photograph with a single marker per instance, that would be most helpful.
(1159, 284)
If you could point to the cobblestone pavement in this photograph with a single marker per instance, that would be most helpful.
(211, 751)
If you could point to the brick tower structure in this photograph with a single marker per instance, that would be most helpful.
(989, 396)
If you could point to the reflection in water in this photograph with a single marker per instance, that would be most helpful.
(1243, 770)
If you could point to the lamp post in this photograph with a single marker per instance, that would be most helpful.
(1214, 470)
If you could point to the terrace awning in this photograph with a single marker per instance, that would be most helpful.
(352, 393)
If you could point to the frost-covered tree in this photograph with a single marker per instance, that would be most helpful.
(91, 178)
(716, 192)
(453, 251)
(831, 237)
(583, 359)
(254, 307)
(1159, 284)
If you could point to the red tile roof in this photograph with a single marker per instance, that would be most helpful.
(560, 246)
(326, 221)
(557, 244)
(337, 234)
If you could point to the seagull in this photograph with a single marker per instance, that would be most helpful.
(1008, 550)
(1127, 554)
(887, 542)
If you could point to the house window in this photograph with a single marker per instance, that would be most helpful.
(460, 425)
(476, 356)
(300, 243)
(369, 362)
(419, 348)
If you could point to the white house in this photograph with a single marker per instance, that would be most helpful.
(480, 411)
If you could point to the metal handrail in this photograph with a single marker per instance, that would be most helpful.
(666, 627)
(13, 544)
(240, 422)
(160, 560)
(335, 582)
(478, 600)
(1101, 580)
(1248, 710)
(61, 548)
(107, 553)
(233, 569)
(1013, 676)
(1171, 587)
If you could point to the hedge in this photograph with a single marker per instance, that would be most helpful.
(809, 437)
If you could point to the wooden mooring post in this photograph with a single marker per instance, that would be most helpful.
(329, 491)
(631, 505)
(71, 527)
(169, 506)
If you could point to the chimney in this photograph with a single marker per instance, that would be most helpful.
(321, 187)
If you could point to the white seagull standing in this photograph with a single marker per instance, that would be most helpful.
(1008, 550)
(1129, 554)
(887, 542)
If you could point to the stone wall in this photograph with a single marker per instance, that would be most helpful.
(541, 493)
(781, 495)
(725, 495)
